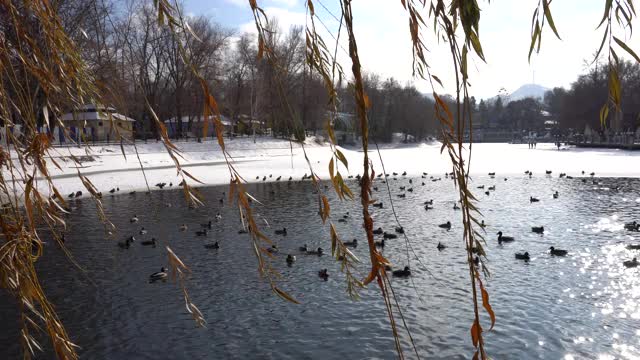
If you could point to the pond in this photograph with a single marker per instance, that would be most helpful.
(583, 305)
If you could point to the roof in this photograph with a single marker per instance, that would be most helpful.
(93, 112)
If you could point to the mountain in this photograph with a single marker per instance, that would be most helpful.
(528, 91)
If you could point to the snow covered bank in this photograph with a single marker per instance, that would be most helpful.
(107, 168)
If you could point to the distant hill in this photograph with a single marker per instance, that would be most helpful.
(524, 91)
(528, 91)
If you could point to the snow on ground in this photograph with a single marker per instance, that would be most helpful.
(265, 156)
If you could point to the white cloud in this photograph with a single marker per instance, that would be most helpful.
(288, 3)
(239, 3)
(285, 17)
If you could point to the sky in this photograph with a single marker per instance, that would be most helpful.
(382, 31)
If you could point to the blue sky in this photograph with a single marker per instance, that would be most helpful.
(381, 28)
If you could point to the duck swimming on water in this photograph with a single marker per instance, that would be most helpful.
(323, 274)
(502, 238)
(281, 232)
(160, 275)
(557, 252)
(386, 235)
(441, 246)
(318, 252)
(446, 225)
(406, 272)
(215, 245)
(523, 256)
(151, 242)
(537, 229)
(378, 231)
(631, 263)
(353, 243)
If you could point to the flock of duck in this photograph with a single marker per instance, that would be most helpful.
(291, 258)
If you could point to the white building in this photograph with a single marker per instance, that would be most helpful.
(93, 122)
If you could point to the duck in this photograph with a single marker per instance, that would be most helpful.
(72, 195)
(400, 230)
(208, 225)
(290, 178)
(633, 246)
(632, 226)
(446, 225)
(379, 244)
(183, 227)
(112, 190)
(492, 188)
(527, 172)
(403, 187)
(160, 275)
(323, 274)
(556, 195)
(456, 207)
(406, 272)
(487, 193)
(282, 232)
(143, 231)
(631, 263)
(502, 239)
(532, 199)
(480, 187)
(557, 252)
(428, 202)
(548, 172)
(215, 245)
(492, 174)
(318, 252)
(378, 205)
(342, 220)
(290, 259)
(441, 246)
(203, 232)
(523, 256)
(273, 249)
(79, 193)
(264, 178)
(402, 196)
(124, 244)
(278, 178)
(303, 248)
(353, 243)
(151, 242)
(378, 231)
(387, 235)
(134, 219)
(404, 173)
(482, 224)
(537, 229)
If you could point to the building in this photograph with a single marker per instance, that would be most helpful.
(91, 123)
(193, 126)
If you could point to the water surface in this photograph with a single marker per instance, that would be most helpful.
(580, 306)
